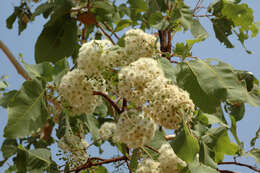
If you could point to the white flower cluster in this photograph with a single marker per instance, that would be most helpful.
(168, 104)
(169, 161)
(77, 91)
(133, 79)
(107, 130)
(90, 58)
(134, 129)
(75, 148)
(140, 44)
(148, 166)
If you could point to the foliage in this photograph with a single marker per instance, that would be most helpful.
(127, 90)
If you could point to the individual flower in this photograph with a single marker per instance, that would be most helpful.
(107, 130)
(148, 166)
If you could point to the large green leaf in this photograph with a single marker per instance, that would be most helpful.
(134, 159)
(93, 127)
(43, 8)
(9, 148)
(256, 154)
(26, 110)
(57, 40)
(139, 5)
(61, 67)
(187, 80)
(185, 145)
(37, 160)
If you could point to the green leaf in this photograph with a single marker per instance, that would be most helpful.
(162, 24)
(157, 141)
(205, 156)
(255, 153)
(198, 31)
(240, 14)
(5, 99)
(223, 28)
(101, 110)
(168, 69)
(122, 24)
(218, 141)
(100, 169)
(42, 70)
(213, 119)
(11, 19)
(185, 145)
(61, 67)
(188, 81)
(43, 8)
(157, 5)
(92, 124)
(105, 5)
(26, 111)
(139, 5)
(37, 159)
(233, 128)
(253, 140)
(186, 17)
(134, 160)
(9, 148)
(197, 167)
(57, 40)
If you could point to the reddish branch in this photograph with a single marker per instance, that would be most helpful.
(105, 33)
(240, 164)
(108, 99)
(225, 171)
(89, 163)
(108, 28)
(151, 148)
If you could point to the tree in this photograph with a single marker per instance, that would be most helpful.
(127, 87)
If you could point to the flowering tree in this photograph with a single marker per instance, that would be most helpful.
(162, 108)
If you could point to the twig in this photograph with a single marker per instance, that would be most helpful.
(108, 99)
(124, 106)
(128, 165)
(106, 34)
(225, 171)
(108, 28)
(151, 148)
(20, 70)
(240, 164)
(89, 164)
(203, 15)
(197, 6)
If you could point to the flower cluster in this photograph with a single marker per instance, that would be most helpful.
(140, 44)
(77, 90)
(169, 161)
(168, 104)
(148, 166)
(134, 129)
(75, 149)
(133, 79)
(107, 130)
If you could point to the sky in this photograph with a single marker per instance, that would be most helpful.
(211, 48)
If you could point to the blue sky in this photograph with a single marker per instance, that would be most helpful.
(237, 57)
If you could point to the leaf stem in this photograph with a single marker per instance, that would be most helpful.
(105, 33)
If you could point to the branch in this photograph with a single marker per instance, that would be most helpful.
(124, 106)
(240, 164)
(108, 99)
(151, 148)
(197, 6)
(89, 164)
(20, 70)
(203, 15)
(106, 34)
(225, 171)
(108, 28)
